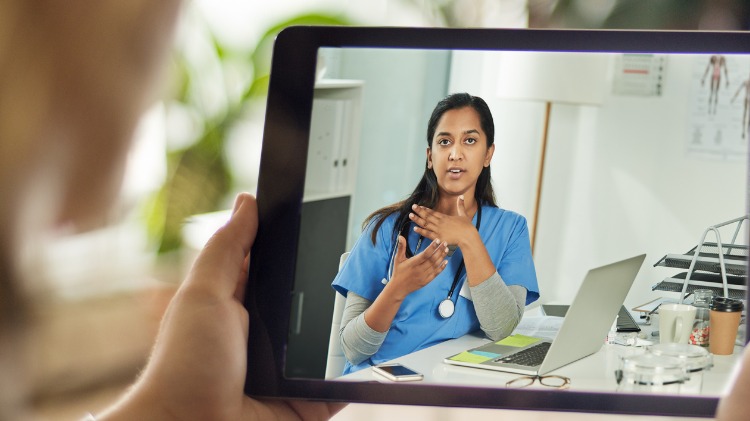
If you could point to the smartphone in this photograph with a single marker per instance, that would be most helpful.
(397, 372)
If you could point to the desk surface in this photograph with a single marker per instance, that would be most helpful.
(595, 373)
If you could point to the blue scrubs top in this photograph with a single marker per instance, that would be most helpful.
(417, 324)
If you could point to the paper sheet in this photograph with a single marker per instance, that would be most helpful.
(539, 326)
(653, 304)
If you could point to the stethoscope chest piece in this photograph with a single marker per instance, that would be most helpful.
(446, 308)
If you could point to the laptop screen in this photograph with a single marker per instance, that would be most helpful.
(610, 144)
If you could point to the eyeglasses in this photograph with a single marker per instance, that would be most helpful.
(558, 382)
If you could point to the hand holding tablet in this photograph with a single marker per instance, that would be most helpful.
(198, 363)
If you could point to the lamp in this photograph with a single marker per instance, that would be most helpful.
(551, 78)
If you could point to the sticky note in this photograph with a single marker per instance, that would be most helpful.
(485, 354)
(468, 357)
(518, 340)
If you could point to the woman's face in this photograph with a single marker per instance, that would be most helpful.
(459, 152)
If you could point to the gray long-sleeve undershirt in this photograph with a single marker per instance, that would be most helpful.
(499, 308)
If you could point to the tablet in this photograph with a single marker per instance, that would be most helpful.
(609, 143)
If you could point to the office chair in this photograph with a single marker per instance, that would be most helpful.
(336, 359)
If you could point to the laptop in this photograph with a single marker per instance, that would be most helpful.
(581, 334)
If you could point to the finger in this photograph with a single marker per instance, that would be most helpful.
(426, 233)
(439, 268)
(434, 255)
(440, 254)
(424, 212)
(421, 222)
(424, 255)
(461, 206)
(222, 261)
(400, 249)
(439, 248)
(239, 291)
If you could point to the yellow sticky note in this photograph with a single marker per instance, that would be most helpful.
(518, 340)
(468, 357)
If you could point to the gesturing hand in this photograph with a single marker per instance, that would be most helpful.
(433, 224)
(410, 274)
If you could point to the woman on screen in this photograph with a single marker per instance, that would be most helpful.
(444, 262)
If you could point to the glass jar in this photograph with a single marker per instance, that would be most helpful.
(700, 334)
(697, 360)
(651, 373)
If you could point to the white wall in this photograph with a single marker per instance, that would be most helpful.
(400, 90)
(617, 182)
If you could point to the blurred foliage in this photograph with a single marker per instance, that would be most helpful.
(595, 14)
(198, 176)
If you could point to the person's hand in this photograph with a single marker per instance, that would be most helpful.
(733, 406)
(411, 274)
(198, 365)
(433, 224)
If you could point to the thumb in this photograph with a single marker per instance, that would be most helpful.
(461, 206)
(218, 265)
(401, 249)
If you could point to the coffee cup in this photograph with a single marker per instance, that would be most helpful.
(724, 321)
(675, 323)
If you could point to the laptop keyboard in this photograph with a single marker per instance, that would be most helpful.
(625, 322)
(531, 356)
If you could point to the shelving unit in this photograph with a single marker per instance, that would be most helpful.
(719, 266)
(332, 158)
(333, 149)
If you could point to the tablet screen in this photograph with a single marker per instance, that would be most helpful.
(605, 147)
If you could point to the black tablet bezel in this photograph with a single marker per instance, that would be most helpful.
(280, 192)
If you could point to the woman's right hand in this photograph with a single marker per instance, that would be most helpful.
(411, 274)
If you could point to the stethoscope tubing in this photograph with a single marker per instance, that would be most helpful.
(456, 277)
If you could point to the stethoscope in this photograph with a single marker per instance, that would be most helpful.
(447, 307)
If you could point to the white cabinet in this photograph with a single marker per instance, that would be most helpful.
(334, 138)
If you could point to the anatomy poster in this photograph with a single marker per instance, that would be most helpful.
(719, 101)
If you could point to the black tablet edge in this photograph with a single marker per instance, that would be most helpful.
(289, 103)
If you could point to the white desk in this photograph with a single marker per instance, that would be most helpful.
(595, 373)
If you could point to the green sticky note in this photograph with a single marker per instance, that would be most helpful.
(518, 340)
(468, 357)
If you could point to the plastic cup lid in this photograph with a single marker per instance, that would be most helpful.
(726, 304)
(694, 357)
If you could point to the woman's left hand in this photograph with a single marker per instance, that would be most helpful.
(433, 224)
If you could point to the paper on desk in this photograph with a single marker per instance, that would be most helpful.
(652, 305)
(539, 326)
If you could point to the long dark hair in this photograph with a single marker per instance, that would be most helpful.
(426, 192)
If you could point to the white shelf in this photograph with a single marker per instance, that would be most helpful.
(338, 83)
